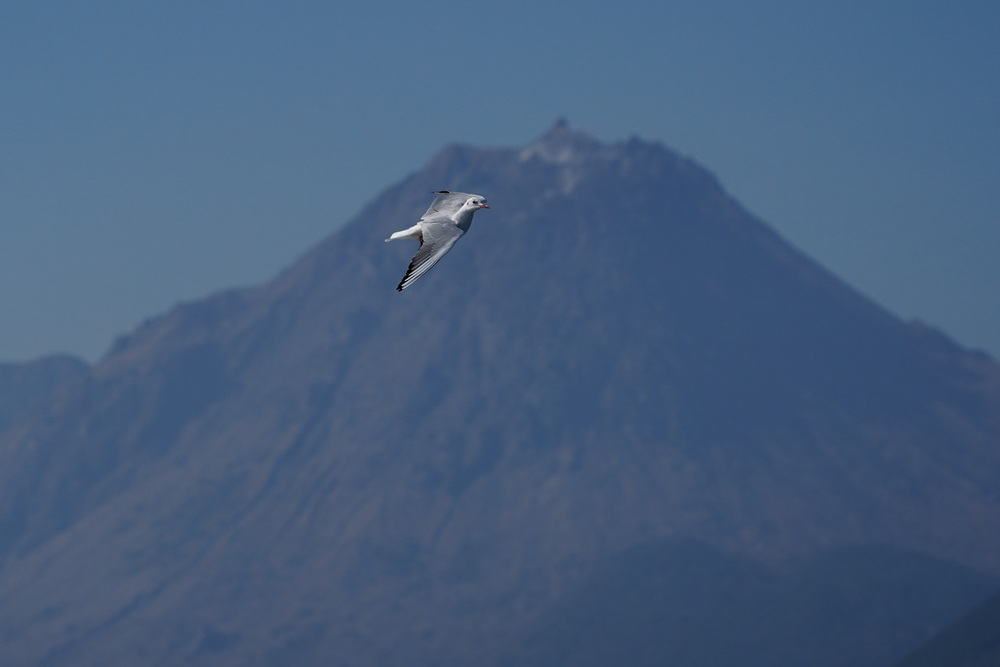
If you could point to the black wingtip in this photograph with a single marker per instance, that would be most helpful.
(441, 192)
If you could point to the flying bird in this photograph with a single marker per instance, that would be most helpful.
(447, 219)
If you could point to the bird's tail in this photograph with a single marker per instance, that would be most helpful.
(411, 233)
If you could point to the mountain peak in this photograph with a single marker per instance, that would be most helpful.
(562, 144)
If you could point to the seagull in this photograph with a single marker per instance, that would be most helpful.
(447, 219)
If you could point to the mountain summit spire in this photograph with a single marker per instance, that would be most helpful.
(562, 144)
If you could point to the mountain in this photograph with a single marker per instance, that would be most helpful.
(617, 419)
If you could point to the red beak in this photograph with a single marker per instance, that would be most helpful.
(483, 206)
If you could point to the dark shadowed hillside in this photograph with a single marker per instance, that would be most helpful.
(972, 641)
(617, 420)
(682, 603)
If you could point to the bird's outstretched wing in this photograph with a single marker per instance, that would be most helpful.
(445, 204)
(436, 240)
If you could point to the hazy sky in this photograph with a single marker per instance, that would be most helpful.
(155, 152)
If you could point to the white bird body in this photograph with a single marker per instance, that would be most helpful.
(446, 220)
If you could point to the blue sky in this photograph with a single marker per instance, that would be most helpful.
(155, 152)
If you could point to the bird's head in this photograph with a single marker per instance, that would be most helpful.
(476, 202)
